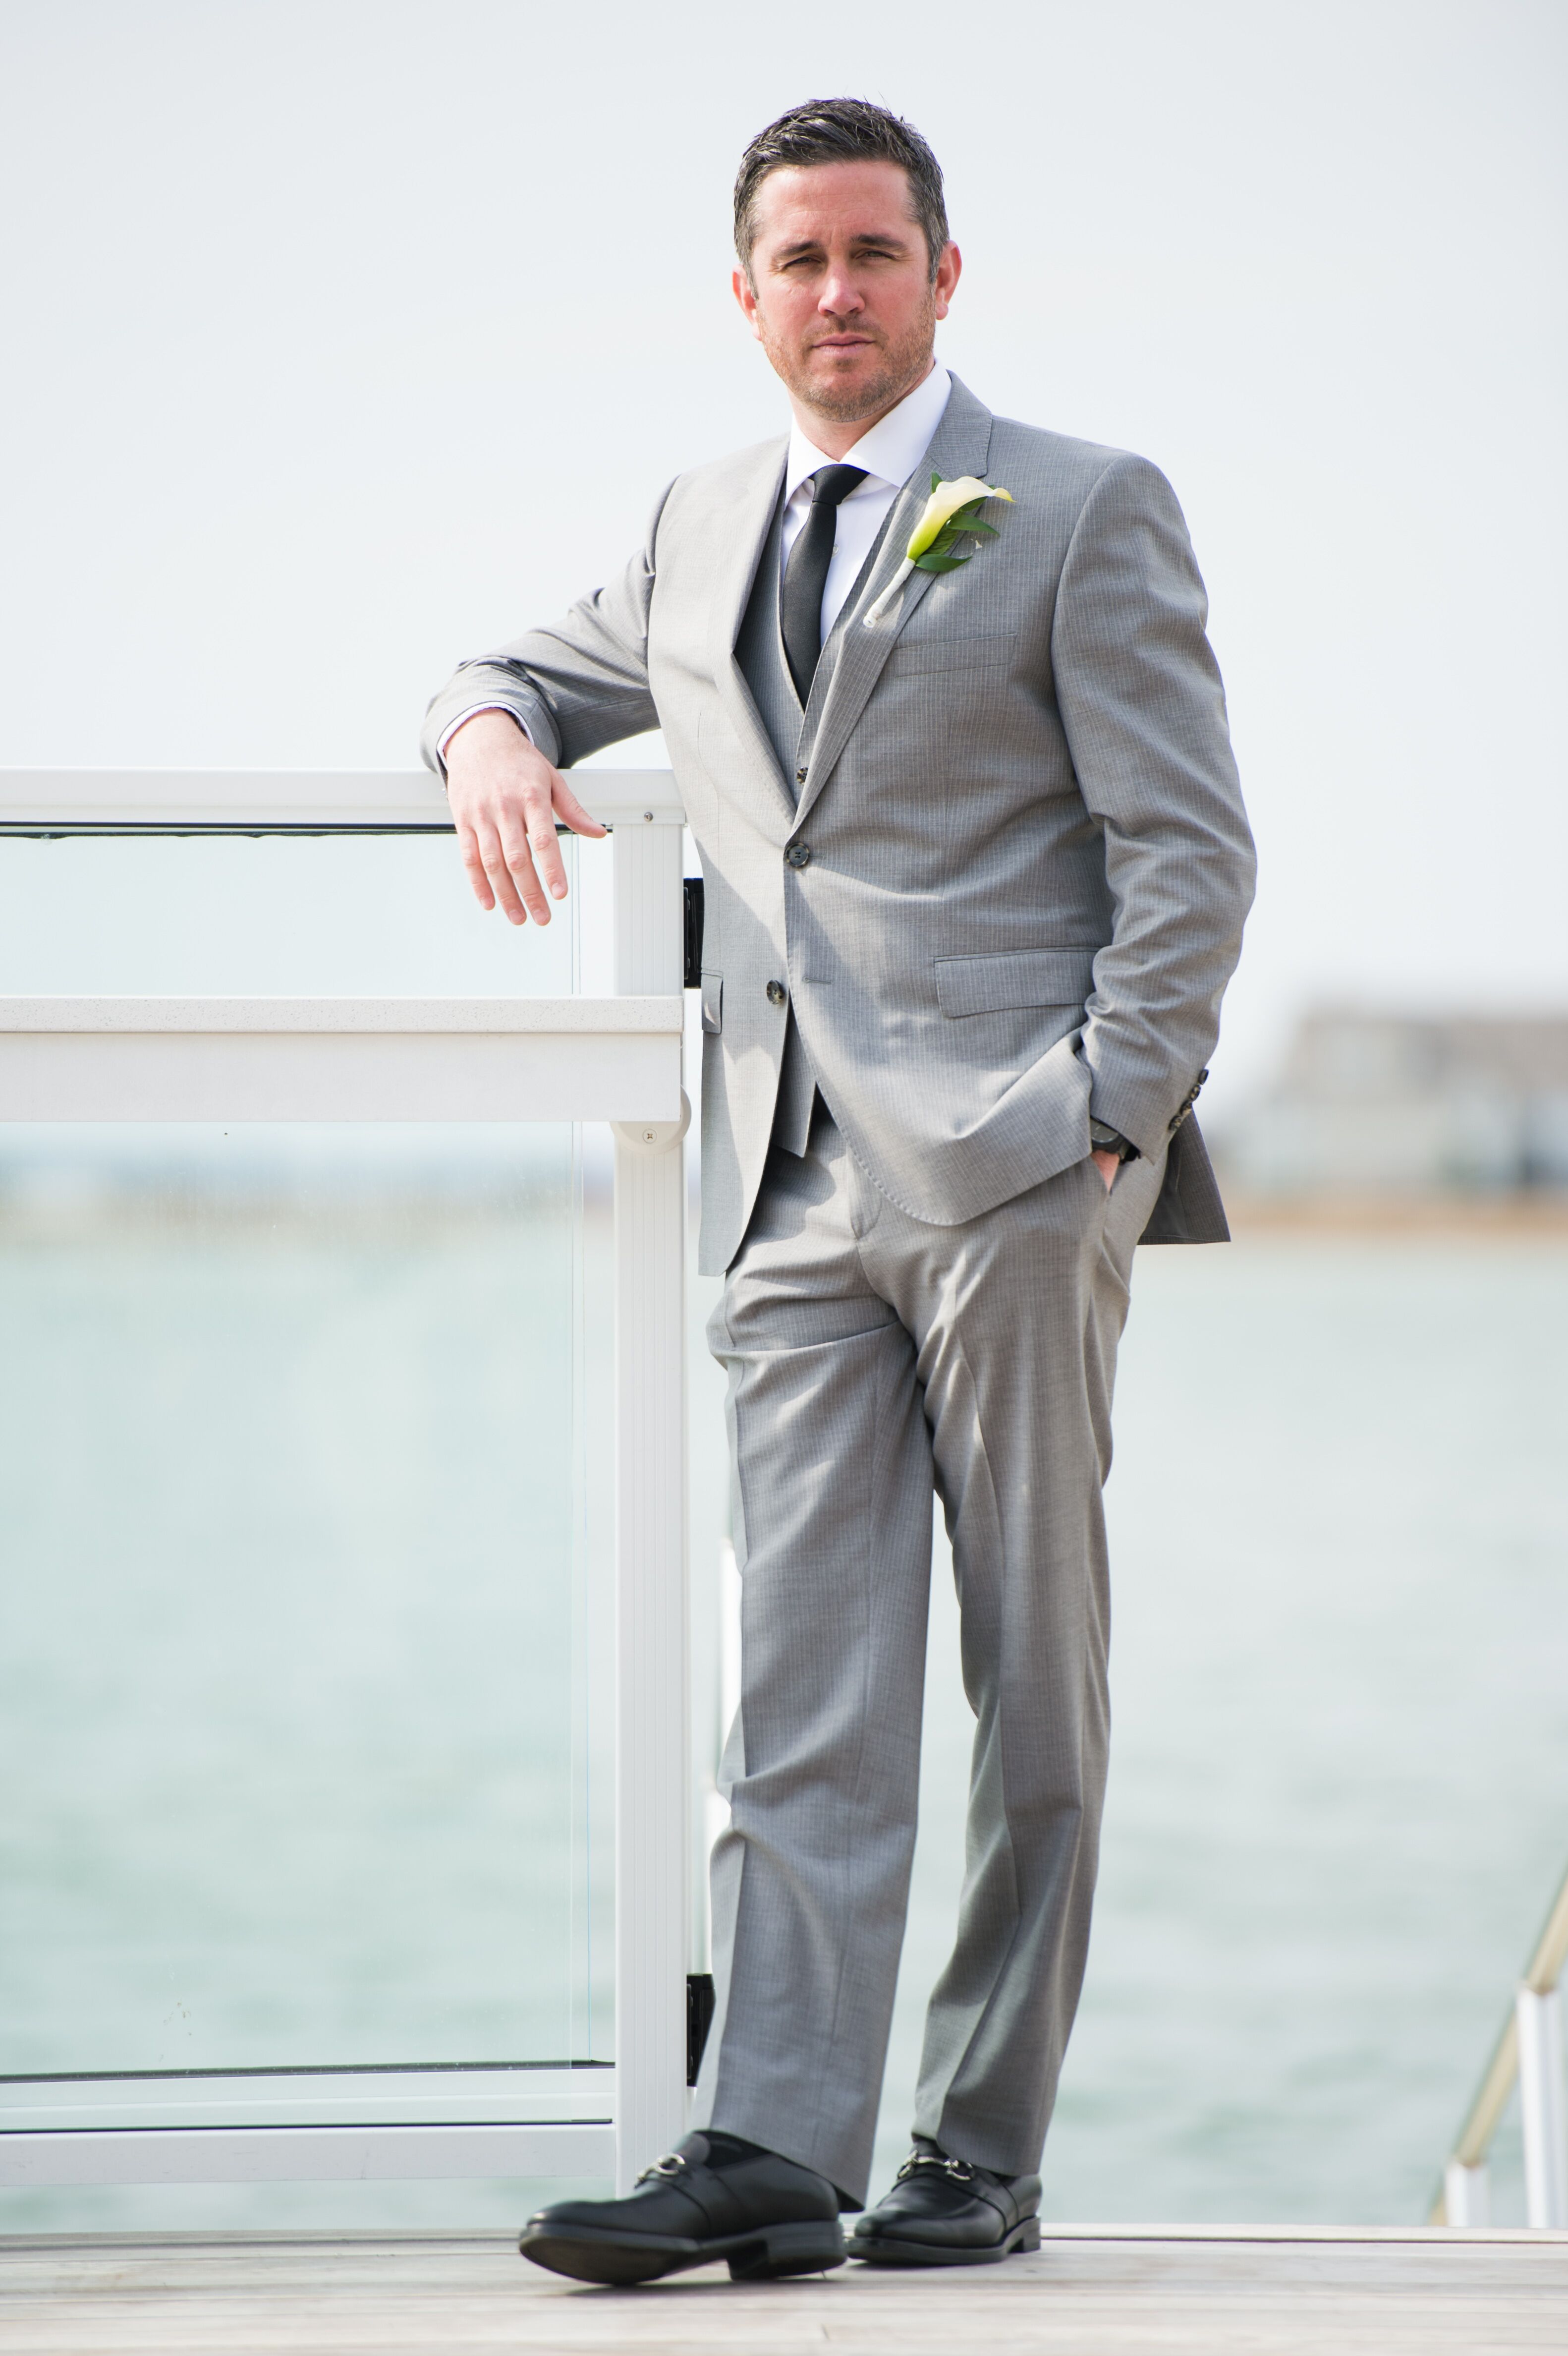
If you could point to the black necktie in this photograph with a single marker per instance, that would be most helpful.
(806, 573)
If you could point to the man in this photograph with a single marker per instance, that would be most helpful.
(976, 869)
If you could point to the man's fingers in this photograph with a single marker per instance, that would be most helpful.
(569, 810)
(474, 866)
(544, 850)
(523, 866)
(498, 872)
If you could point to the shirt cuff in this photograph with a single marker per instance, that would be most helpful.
(473, 711)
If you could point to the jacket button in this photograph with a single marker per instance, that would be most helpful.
(799, 854)
(776, 994)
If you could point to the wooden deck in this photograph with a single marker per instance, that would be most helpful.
(1092, 2291)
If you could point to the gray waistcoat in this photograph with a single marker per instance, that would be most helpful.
(759, 651)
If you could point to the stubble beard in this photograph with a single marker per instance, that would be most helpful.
(902, 365)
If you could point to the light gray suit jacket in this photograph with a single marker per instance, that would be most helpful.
(1028, 862)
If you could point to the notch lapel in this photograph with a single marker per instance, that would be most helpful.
(746, 536)
(960, 446)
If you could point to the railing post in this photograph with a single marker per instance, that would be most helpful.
(652, 1839)
(1543, 2111)
(1467, 2193)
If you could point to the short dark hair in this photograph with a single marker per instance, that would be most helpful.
(841, 130)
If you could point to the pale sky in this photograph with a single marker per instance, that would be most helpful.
(345, 339)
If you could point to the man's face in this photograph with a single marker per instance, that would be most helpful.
(839, 293)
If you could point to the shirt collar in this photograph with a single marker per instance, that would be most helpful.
(891, 450)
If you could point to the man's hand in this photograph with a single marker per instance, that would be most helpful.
(1107, 1163)
(507, 798)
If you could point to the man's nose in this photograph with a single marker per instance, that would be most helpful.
(840, 296)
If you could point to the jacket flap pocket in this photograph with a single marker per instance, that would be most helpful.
(990, 985)
(713, 1001)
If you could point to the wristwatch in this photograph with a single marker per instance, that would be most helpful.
(1103, 1138)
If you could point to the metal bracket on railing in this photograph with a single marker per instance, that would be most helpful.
(654, 1136)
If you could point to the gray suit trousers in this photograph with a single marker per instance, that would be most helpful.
(873, 1358)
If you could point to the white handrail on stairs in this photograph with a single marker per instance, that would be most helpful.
(1529, 2047)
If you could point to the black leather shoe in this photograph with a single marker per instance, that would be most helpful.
(712, 2197)
(947, 2212)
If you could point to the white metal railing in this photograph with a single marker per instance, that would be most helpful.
(616, 1058)
(302, 1059)
(272, 801)
(1529, 2050)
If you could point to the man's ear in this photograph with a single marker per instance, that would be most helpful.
(746, 296)
(950, 263)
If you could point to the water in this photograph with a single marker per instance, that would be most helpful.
(1340, 1789)
(1339, 1800)
(295, 1668)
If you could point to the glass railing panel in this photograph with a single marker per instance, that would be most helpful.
(359, 916)
(303, 1692)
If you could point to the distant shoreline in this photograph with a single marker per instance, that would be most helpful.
(1384, 1215)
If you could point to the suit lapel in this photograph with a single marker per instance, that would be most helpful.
(959, 447)
(746, 537)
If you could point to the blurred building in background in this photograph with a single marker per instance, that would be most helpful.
(1389, 1103)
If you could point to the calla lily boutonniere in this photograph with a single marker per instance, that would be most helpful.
(951, 512)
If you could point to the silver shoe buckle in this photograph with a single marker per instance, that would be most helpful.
(957, 2171)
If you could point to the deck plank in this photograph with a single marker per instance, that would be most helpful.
(1105, 2292)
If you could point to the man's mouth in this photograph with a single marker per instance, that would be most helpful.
(845, 343)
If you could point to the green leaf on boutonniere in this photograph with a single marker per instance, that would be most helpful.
(949, 503)
(956, 528)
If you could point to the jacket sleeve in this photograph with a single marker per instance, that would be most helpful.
(575, 686)
(1144, 710)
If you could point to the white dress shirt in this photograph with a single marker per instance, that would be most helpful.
(890, 452)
